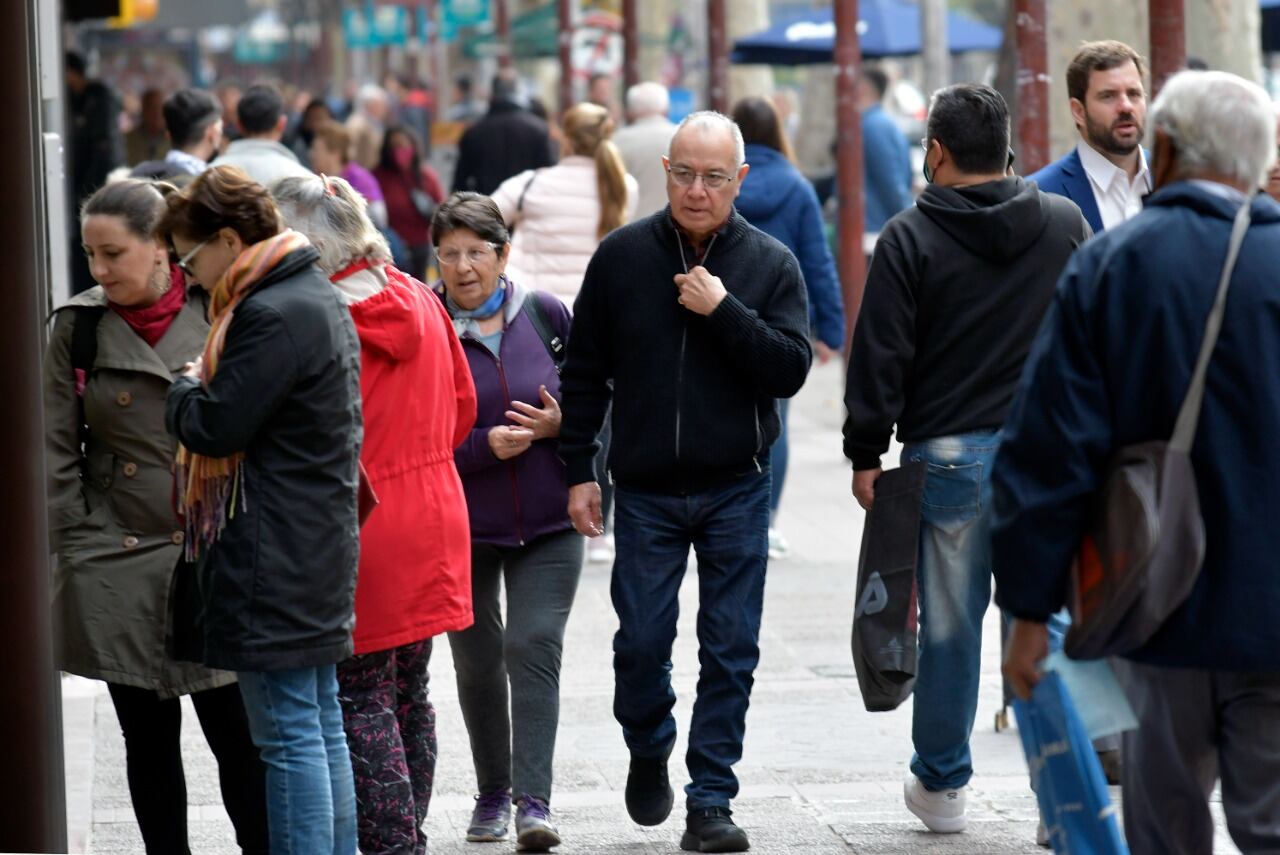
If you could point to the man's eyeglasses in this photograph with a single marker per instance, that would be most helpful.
(685, 177)
(475, 255)
(184, 263)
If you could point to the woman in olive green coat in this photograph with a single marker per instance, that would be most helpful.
(112, 354)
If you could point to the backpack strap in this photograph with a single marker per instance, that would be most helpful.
(84, 353)
(537, 314)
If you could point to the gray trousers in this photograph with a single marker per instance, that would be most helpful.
(1196, 727)
(509, 676)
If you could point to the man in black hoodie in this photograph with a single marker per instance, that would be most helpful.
(507, 141)
(954, 297)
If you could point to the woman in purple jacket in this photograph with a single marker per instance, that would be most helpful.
(520, 530)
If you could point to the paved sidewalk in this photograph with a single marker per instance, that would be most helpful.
(819, 775)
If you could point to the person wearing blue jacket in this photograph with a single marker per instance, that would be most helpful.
(781, 202)
(1110, 369)
(886, 154)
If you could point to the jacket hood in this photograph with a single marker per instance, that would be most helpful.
(997, 220)
(393, 322)
(767, 185)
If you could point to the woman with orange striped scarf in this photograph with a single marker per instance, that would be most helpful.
(269, 427)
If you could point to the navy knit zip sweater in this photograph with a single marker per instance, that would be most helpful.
(694, 398)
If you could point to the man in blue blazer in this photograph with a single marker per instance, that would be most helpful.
(1106, 173)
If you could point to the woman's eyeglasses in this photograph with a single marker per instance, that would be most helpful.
(184, 263)
(475, 255)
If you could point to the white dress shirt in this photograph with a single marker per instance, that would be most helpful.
(1118, 198)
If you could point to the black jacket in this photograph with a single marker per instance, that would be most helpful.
(278, 587)
(694, 398)
(956, 291)
(507, 141)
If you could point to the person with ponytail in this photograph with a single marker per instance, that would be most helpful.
(269, 427)
(112, 354)
(561, 213)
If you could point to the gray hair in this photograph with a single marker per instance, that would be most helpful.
(370, 92)
(1218, 123)
(337, 222)
(710, 119)
(648, 99)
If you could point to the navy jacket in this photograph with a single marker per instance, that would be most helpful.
(781, 202)
(1110, 368)
(1066, 177)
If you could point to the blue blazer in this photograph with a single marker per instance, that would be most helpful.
(1066, 177)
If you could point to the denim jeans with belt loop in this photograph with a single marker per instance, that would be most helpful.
(728, 528)
(296, 722)
(954, 573)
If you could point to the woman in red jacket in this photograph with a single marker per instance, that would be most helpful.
(415, 549)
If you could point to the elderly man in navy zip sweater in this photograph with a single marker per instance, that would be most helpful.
(701, 322)
(1110, 368)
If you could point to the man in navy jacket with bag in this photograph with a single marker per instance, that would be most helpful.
(1110, 369)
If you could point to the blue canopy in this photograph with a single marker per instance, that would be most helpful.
(885, 27)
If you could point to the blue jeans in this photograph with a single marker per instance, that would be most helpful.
(728, 527)
(296, 722)
(955, 590)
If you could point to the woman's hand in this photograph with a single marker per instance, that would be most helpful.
(194, 370)
(507, 442)
(544, 421)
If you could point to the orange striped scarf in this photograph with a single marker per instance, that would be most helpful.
(210, 487)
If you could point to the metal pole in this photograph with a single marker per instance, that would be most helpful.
(1033, 85)
(502, 32)
(566, 54)
(717, 58)
(31, 788)
(630, 44)
(933, 38)
(849, 179)
(1168, 41)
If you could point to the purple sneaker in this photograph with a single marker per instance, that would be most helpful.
(534, 831)
(490, 817)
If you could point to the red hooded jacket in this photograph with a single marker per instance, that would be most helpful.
(419, 404)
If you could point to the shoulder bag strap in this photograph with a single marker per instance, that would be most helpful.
(1184, 431)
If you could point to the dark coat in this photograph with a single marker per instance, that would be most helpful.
(111, 517)
(507, 141)
(1110, 368)
(278, 587)
(694, 397)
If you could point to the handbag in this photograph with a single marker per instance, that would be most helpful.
(1065, 773)
(885, 620)
(1144, 541)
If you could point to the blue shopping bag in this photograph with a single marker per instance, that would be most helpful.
(1065, 773)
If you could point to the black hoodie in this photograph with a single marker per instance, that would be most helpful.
(956, 291)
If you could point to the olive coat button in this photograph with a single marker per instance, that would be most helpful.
(177, 537)
(124, 399)
(130, 469)
(130, 541)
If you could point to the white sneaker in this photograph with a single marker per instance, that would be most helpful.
(600, 549)
(778, 546)
(941, 812)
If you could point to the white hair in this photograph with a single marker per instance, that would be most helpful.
(712, 120)
(648, 99)
(1219, 124)
(370, 92)
(337, 223)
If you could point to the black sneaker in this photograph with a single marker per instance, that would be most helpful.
(649, 796)
(712, 830)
